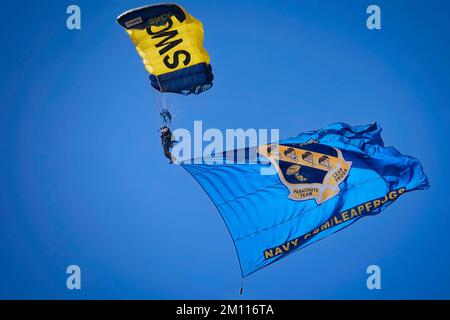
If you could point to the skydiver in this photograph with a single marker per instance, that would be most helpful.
(167, 142)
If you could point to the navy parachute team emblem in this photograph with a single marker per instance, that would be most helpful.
(309, 170)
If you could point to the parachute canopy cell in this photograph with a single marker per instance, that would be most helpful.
(170, 43)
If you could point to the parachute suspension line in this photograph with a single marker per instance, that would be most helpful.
(174, 107)
(158, 103)
(164, 104)
(242, 286)
(164, 112)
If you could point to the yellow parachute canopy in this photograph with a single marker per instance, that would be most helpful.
(170, 42)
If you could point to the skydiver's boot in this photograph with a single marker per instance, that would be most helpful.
(172, 159)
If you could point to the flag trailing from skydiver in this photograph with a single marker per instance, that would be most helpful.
(322, 182)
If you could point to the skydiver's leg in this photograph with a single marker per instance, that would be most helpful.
(167, 154)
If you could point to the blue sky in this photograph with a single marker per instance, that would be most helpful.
(83, 179)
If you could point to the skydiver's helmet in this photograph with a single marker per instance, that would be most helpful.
(164, 130)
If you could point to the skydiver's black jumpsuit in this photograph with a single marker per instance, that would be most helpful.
(167, 143)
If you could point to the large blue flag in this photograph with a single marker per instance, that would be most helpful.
(305, 188)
